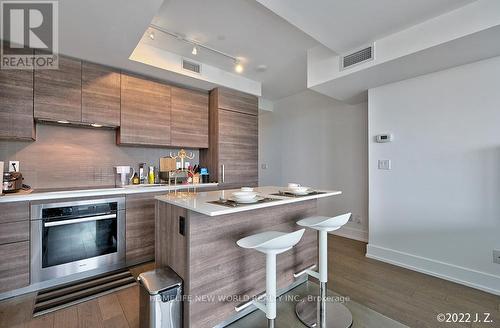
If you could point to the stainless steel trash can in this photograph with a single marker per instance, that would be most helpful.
(160, 299)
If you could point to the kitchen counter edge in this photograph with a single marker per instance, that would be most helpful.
(97, 192)
(200, 203)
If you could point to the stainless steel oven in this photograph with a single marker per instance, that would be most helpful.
(73, 237)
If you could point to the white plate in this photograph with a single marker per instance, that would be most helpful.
(247, 201)
(294, 192)
(244, 195)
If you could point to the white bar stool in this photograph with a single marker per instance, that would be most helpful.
(328, 315)
(270, 243)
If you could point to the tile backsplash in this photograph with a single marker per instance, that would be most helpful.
(69, 157)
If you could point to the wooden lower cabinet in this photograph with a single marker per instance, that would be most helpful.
(140, 228)
(14, 232)
(14, 266)
(14, 245)
(15, 211)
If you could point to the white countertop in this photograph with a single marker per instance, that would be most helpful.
(199, 202)
(97, 192)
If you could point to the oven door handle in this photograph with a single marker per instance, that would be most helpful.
(87, 219)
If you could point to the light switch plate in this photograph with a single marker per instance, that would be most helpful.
(496, 256)
(14, 166)
(264, 166)
(384, 164)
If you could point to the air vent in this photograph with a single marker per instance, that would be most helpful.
(191, 66)
(357, 57)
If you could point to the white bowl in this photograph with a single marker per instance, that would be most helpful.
(244, 195)
(247, 189)
(298, 190)
(293, 185)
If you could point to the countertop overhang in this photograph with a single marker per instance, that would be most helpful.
(6, 198)
(199, 202)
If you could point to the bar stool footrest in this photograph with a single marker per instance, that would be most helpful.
(304, 271)
(337, 314)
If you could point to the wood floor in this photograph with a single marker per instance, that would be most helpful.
(116, 310)
(411, 298)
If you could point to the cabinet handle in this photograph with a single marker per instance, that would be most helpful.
(182, 225)
(222, 173)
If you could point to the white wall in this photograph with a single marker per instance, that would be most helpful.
(317, 141)
(438, 209)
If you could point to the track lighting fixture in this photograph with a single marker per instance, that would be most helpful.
(238, 67)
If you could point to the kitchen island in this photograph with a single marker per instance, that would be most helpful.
(197, 237)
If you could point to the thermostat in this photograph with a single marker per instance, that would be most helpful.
(384, 137)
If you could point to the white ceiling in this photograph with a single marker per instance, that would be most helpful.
(477, 46)
(241, 28)
(106, 32)
(462, 36)
(344, 25)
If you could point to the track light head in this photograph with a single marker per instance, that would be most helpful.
(238, 67)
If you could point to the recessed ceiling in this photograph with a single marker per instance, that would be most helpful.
(241, 28)
(106, 32)
(344, 25)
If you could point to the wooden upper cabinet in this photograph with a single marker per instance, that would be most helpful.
(58, 92)
(238, 149)
(78, 92)
(100, 95)
(16, 104)
(189, 118)
(145, 112)
(237, 101)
